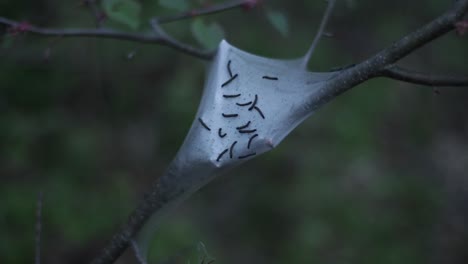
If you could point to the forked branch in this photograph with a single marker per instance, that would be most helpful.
(318, 36)
(345, 80)
(142, 37)
(377, 65)
(210, 10)
(401, 74)
(149, 38)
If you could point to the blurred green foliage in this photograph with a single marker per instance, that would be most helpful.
(177, 5)
(279, 21)
(126, 12)
(377, 176)
(208, 35)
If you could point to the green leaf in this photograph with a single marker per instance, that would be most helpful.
(126, 12)
(279, 21)
(179, 5)
(208, 35)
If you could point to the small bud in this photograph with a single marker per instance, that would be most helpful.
(250, 4)
(19, 28)
(24, 26)
(461, 27)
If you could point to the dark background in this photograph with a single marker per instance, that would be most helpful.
(379, 175)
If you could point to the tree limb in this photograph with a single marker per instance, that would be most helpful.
(401, 74)
(37, 255)
(212, 9)
(159, 195)
(377, 65)
(346, 79)
(150, 38)
(319, 34)
(95, 11)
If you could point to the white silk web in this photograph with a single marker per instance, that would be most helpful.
(249, 105)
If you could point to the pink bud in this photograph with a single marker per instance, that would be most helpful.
(19, 28)
(462, 27)
(250, 4)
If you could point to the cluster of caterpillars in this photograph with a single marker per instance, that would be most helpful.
(243, 129)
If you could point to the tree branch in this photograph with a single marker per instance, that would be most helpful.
(319, 34)
(95, 11)
(37, 255)
(212, 9)
(379, 63)
(149, 38)
(162, 192)
(409, 76)
(159, 195)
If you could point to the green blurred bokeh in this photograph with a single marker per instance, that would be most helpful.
(379, 175)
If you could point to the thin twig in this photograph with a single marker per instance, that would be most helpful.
(158, 29)
(138, 254)
(95, 11)
(210, 10)
(318, 36)
(149, 37)
(409, 76)
(37, 255)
